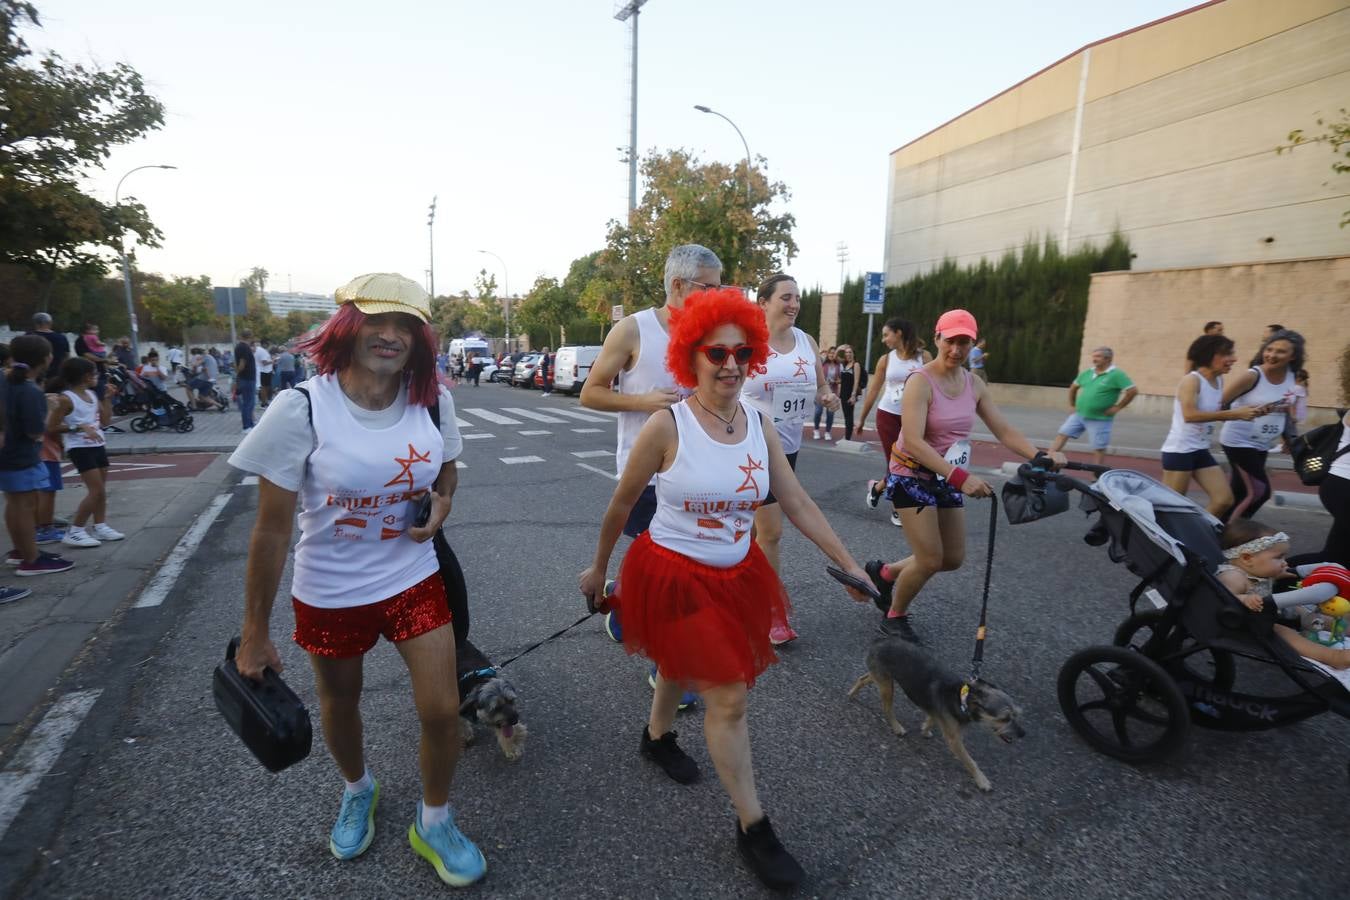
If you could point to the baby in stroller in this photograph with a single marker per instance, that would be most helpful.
(1255, 560)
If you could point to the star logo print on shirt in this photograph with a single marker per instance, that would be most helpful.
(405, 475)
(750, 468)
(801, 365)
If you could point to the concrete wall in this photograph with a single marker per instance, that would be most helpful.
(1179, 121)
(1150, 318)
(829, 321)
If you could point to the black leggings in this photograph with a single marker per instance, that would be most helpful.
(1335, 496)
(847, 407)
(1249, 481)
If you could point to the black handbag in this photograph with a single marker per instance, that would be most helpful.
(1315, 451)
(1024, 502)
(268, 716)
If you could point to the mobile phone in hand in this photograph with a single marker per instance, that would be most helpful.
(422, 515)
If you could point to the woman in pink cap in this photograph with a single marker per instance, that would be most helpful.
(928, 467)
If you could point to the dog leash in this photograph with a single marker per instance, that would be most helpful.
(978, 659)
(535, 646)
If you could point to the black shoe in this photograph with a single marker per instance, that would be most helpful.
(668, 755)
(873, 570)
(898, 626)
(765, 855)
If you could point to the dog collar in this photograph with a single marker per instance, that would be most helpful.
(488, 672)
(965, 699)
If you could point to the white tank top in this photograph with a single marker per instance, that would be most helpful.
(706, 500)
(1263, 432)
(82, 412)
(784, 389)
(1186, 437)
(897, 370)
(355, 503)
(649, 373)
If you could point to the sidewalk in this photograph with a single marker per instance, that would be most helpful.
(41, 634)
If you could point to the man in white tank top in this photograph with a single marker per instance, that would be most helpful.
(634, 356)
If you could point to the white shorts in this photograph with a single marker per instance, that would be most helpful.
(1098, 430)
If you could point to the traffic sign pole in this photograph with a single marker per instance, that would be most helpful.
(874, 299)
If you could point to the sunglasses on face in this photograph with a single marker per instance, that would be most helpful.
(717, 353)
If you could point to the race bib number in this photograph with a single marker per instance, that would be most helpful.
(792, 402)
(895, 393)
(1267, 429)
(958, 454)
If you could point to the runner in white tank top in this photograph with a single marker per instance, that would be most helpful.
(77, 408)
(786, 388)
(886, 391)
(647, 373)
(1270, 385)
(1185, 452)
(897, 370)
(697, 597)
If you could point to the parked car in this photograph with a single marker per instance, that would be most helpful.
(538, 378)
(506, 368)
(524, 374)
(487, 366)
(571, 367)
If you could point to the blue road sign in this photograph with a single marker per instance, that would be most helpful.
(874, 292)
(225, 297)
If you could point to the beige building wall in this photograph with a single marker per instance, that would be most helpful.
(829, 321)
(1175, 147)
(1150, 318)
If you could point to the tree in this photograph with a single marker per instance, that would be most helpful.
(1336, 135)
(58, 123)
(177, 305)
(727, 209)
(547, 306)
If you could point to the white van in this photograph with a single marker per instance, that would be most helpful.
(469, 347)
(571, 366)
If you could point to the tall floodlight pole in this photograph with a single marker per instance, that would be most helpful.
(841, 254)
(630, 10)
(506, 288)
(126, 266)
(431, 248)
(704, 109)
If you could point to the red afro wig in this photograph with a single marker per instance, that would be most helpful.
(705, 312)
(331, 349)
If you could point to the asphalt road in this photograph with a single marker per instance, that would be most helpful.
(153, 796)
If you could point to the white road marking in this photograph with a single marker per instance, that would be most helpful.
(591, 454)
(168, 573)
(590, 468)
(531, 414)
(532, 433)
(517, 460)
(40, 751)
(248, 479)
(588, 430)
(489, 416)
(462, 423)
(583, 416)
(475, 437)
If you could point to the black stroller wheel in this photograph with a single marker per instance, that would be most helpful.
(1123, 704)
(1208, 666)
(142, 424)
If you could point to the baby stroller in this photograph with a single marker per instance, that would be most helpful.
(162, 410)
(1172, 663)
(129, 391)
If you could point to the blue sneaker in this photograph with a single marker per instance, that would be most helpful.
(454, 857)
(355, 826)
(687, 700)
(50, 535)
(612, 626)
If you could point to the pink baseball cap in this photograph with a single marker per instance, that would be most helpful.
(955, 322)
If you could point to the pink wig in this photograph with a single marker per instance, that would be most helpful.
(331, 349)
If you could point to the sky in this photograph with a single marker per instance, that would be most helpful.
(310, 137)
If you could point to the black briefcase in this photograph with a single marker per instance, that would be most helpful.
(268, 716)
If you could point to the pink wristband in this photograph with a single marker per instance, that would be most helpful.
(957, 477)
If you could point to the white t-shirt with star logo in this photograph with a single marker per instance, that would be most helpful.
(784, 389)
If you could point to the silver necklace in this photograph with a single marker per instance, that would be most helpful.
(727, 422)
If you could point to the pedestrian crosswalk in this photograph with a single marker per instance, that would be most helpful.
(471, 418)
(531, 414)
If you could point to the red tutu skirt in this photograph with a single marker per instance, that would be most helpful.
(698, 623)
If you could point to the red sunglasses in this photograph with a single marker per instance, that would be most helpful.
(717, 353)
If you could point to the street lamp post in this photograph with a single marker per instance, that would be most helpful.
(631, 10)
(126, 267)
(506, 287)
(704, 109)
(431, 249)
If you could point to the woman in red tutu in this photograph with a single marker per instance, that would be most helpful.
(698, 595)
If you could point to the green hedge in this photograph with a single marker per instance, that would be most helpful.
(1030, 305)
(808, 318)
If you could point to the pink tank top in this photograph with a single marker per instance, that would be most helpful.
(949, 421)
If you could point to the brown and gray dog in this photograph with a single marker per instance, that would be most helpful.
(949, 701)
(487, 698)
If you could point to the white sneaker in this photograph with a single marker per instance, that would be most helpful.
(78, 537)
(895, 519)
(104, 532)
(815, 435)
(829, 436)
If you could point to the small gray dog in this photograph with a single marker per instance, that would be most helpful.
(489, 698)
(949, 701)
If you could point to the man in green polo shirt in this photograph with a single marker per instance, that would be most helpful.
(1096, 395)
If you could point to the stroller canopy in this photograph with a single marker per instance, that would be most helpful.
(1170, 520)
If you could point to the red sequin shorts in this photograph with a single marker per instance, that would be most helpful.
(353, 630)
